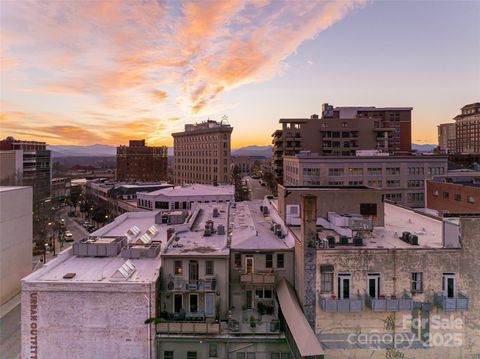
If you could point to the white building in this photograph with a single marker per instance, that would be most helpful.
(92, 301)
(182, 197)
(15, 239)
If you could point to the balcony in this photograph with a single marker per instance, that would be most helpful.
(258, 278)
(333, 305)
(200, 285)
(188, 328)
(391, 304)
(457, 304)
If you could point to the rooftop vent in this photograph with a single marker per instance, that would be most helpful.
(221, 230)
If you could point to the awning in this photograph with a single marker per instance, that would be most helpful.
(303, 335)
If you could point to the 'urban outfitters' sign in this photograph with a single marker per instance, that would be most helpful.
(33, 325)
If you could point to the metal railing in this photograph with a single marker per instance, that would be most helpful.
(334, 305)
(391, 304)
(188, 328)
(182, 284)
(455, 304)
(258, 278)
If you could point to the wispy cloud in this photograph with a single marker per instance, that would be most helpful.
(121, 56)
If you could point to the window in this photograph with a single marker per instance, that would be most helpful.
(457, 197)
(267, 294)
(435, 193)
(161, 205)
(238, 260)
(393, 183)
(471, 199)
(417, 282)
(335, 172)
(168, 354)
(415, 197)
(268, 260)
(355, 171)
(178, 268)
(250, 355)
(393, 171)
(326, 280)
(280, 261)
(275, 356)
(212, 350)
(191, 355)
(209, 268)
(259, 293)
(446, 195)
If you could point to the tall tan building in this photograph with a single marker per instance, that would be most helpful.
(447, 137)
(202, 153)
(341, 131)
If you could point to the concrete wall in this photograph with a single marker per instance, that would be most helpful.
(76, 320)
(15, 239)
(333, 200)
(395, 267)
(226, 348)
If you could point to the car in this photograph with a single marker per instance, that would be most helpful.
(68, 236)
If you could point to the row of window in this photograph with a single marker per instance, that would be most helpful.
(344, 283)
(198, 138)
(269, 261)
(213, 353)
(193, 268)
(456, 196)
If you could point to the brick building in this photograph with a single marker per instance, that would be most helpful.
(202, 153)
(341, 131)
(138, 162)
(454, 194)
(467, 128)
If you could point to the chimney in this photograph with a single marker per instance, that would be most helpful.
(305, 259)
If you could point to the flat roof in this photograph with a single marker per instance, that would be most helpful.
(190, 239)
(306, 157)
(13, 188)
(95, 269)
(251, 230)
(397, 220)
(193, 190)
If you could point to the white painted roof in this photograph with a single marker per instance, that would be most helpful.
(95, 270)
(193, 190)
(191, 239)
(253, 231)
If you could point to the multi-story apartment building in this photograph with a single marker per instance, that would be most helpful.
(35, 164)
(403, 289)
(138, 162)
(249, 165)
(16, 235)
(60, 188)
(220, 269)
(93, 299)
(402, 177)
(456, 192)
(447, 138)
(202, 153)
(341, 131)
(467, 128)
(184, 197)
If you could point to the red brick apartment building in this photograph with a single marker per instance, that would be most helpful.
(138, 162)
(460, 194)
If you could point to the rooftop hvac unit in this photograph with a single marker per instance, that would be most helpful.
(221, 230)
(405, 236)
(208, 228)
(413, 239)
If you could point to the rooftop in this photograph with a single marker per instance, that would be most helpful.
(194, 190)
(87, 269)
(397, 221)
(192, 239)
(252, 230)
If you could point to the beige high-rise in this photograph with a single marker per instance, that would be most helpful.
(202, 153)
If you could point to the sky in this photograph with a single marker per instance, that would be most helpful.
(103, 72)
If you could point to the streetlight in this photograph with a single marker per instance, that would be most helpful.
(45, 254)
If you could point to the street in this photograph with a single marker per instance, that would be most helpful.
(257, 190)
(10, 335)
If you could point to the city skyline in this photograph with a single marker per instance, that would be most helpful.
(110, 72)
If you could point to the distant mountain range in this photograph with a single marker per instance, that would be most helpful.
(110, 151)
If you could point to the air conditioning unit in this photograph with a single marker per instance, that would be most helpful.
(323, 243)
